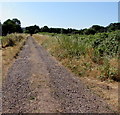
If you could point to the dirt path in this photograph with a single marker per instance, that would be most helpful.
(37, 83)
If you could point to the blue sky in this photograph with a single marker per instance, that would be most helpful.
(61, 14)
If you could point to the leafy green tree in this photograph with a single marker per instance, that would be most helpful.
(113, 27)
(89, 31)
(32, 29)
(98, 29)
(11, 26)
(17, 22)
(45, 29)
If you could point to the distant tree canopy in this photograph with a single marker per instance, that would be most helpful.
(113, 27)
(14, 25)
(45, 29)
(32, 29)
(11, 26)
(57, 30)
(92, 30)
(98, 29)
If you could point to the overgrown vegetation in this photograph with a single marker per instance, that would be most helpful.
(86, 54)
(11, 45)
(11, 40)
(94, 58)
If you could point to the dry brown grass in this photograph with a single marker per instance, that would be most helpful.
(40, 38)
(9, 54)
(108, 90)
(114, 62)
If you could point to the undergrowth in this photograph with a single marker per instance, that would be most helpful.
(11, 40)
(11, 46)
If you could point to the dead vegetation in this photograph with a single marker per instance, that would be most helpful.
(11, 45)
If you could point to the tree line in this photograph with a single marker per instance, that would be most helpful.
(14, 25)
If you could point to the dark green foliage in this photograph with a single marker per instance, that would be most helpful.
(11, 26)
(58, 30)
(113, 27)
(32, 29)
(89, 31)
(107, 43)
(16, 21)
(14, 25)
(45, 29)
(98, 29)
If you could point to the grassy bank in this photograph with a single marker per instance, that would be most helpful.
(11, 45)
(94, 58)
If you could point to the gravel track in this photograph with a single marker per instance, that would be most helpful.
(37, 83)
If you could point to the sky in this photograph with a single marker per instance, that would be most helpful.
(76, 15)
